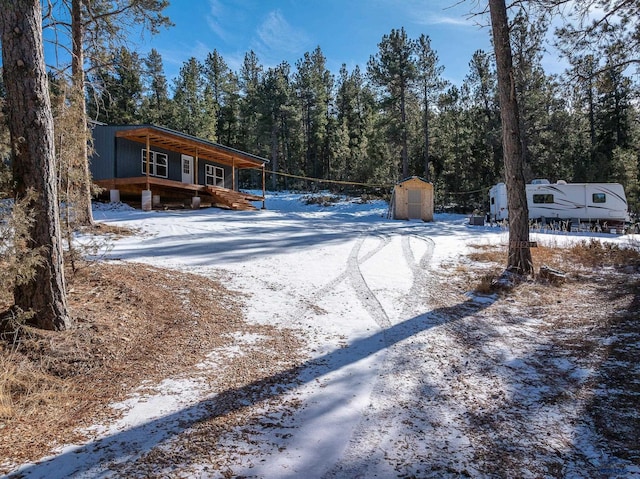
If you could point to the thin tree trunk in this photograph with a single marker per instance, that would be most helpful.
(519, 260)
(83, 211)
(426, 133)
(274, 156)
(403, 119)
(31, 130)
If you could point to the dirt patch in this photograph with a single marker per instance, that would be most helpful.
(133, 324)
(588, 324)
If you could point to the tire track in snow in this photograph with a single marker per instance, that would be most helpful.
(351, 273)
(423, 276)
(365, 448)
(367, 297)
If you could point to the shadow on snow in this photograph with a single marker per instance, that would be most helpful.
(94, 458)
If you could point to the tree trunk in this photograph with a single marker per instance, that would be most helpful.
(403, 120)
(83, 211)
(274, 155)
(519, 260)
(31, 130)
(426, 133)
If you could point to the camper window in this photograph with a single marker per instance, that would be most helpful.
(546, 198)
(599, 198)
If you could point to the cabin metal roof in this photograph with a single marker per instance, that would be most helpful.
(176, 141)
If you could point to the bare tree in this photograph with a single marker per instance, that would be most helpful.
(96, 29)
(83, 211)
(31, 133)
(519, 260)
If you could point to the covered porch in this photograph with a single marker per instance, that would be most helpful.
(196, 154)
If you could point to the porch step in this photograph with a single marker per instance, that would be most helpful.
(234, 200)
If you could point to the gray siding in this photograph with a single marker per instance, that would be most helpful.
(129, 163)
(102, 161)
(121, 158)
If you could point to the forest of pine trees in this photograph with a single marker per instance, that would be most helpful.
(395, 116)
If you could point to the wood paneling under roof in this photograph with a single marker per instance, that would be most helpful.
(190, 145)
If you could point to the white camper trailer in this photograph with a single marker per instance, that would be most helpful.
(603, 203)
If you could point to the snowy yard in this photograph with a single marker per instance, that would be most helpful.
(405, 372)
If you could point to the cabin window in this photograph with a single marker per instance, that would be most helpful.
(214, 176)
(493, 201)
(158, 164)
(546, 198)
(599, 198)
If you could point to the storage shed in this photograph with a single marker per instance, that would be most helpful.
(412, 199)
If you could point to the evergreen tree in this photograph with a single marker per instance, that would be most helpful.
(249, 80)
(455, 167)
(393, 70)
(229, 114)
(194, 109)
(279, 120)
(519, 255)
(218, 80)
(156, 105)
(527, 36)
(484, 114)
(120, 90)
(582, 80)
(97, 27)
(314, 85)
(593, 25)
(355, 115)
(42, 293)
(430, 85)
(612, 119)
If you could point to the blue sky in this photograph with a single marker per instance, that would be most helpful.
(347, 31)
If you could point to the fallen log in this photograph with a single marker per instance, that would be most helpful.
(552, 275)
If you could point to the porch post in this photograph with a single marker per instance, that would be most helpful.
(233, 174)
(148, 155)
(195, 172)
(263, 188)
(146, 203)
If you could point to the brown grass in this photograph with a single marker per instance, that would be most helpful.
(590, 254)
(593, 314)
(132, 323)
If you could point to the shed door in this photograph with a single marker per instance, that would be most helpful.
(187, 169)
(415, 204)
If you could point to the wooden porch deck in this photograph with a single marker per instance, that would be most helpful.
(220, 197)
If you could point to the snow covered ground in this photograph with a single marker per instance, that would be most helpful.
(403, 378)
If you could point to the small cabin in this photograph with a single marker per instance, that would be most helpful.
(412, 199)
(133, 160)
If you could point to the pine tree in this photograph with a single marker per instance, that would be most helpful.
(156, 105)
(249, 80)
(225, 90)
(612, 118)
(393, 70)
(314, 85)
(279, 120)
(519, 255)
(355, 110)
(97, 27)
(194, 109)
(485, 116)
(31, 128)
(118, 91)
(593, 25)
(430, 85)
